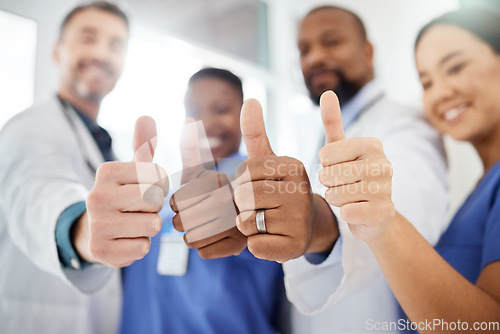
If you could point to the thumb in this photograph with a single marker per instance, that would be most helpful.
(145, 139)
(253, 129)
(195, 150)
(331, 116)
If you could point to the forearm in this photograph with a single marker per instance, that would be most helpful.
(426, 286)
(325, 229)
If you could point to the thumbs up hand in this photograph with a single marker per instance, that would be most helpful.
(273, 195)
(122, 208)
(357, 173)
(204, 204)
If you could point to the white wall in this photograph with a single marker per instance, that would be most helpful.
(17, 64)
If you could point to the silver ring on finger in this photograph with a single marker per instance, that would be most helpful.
(260, 221)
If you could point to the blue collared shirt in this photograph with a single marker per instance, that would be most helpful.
(470, 242)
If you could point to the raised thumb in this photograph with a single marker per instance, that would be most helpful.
(254, 130)
(331, 116)
(145, 139)
(195, 150)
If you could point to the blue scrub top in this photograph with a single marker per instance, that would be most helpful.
(472, 241)
(237, 294)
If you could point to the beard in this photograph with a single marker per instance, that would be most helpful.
(345, 89)
(82, 90)
(97, 87)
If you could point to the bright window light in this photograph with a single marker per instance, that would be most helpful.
(17, 64)
(154, 83)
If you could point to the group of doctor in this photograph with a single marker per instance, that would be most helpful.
(352, 233)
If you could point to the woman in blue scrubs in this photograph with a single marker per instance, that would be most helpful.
(454, 288)
(174, 289)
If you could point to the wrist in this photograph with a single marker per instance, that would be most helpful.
(80, 238)
(325, 230)
(386, 236)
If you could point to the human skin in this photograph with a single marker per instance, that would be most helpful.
(90, 55)
(460, 75)
(120, 220)
(204, 205)
(217, 104)
(334, 54)
(117, 226)
(280, 186)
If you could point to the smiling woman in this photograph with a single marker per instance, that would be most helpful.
(458, 60)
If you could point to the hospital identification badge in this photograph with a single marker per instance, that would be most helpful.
(174, 254)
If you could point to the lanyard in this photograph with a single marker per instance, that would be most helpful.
(66, 107)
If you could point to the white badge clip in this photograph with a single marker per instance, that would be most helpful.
(174, 254)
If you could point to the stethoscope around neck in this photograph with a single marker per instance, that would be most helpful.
(66, 108)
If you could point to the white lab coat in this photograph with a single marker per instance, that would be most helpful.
(43, 170)
(348, 289)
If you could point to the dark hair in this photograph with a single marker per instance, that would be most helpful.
(357, 19)
(101, 5)
(483, 23)
(227, 76)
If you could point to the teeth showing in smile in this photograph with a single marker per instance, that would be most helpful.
(453, 113)
(97, 72)
(214, 142)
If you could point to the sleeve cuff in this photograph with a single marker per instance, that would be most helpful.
(67, 255)
(335, 254)
(316, 258)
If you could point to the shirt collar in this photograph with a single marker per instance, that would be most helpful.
(352, 108)
(89, 123)
(100, 135)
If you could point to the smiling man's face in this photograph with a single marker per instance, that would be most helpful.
(334, 54)
(91, 53)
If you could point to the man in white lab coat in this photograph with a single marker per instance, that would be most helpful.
(342, 290)
(50, 154)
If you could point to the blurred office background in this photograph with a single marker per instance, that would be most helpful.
(256, 39)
